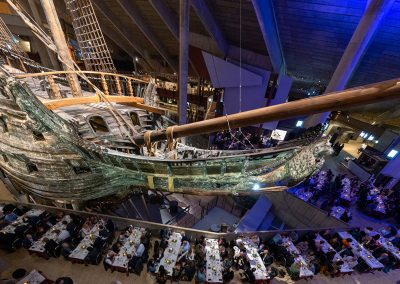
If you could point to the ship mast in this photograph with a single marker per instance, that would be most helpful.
(62, 47)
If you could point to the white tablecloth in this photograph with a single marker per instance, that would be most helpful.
(34, 277)
(11, 228)
(326, 247)
(128, 248)
(362, 252)
(337, 212)
(304, 270)
(390, 247)
(38, 246)
(254, 259)
(80, 252)
(171, 253)
(386, 243)
(214, 265)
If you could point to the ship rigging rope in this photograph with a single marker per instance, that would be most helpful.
(234, 138)
(38, 31)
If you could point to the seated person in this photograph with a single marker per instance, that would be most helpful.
(189, 271)
(389, 232)
(176, 273)
(228, 275)
(345, 217)
(294, 269)
(110, 226)
(99, 243)
(141, 248)
(184, 247)
(201, 276)
(63, 235)
(28, 241)
(109, 259)
(335, 244)
(85, 230)
(66, 249)
(347, 243)
(162, 276)
(352, 261)
(64, 280)
(249, 275)
(103, 232)
(384, 259)
(116, 247)
(50, 246)
(10, 217)
(302, 246)
(151, 266)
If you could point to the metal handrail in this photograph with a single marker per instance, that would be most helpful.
(193, 233)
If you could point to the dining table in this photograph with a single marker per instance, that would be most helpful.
(213, 262)
(34, 277)
(10, 229)
(305, 271)
(171, 253)
(38, 247)
(128, 249)
(386, 243)
(337, 211)
(80, 253)
(362, 252)
(326, 248)
(255, 260)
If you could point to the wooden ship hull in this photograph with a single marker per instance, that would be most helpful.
(45, 155)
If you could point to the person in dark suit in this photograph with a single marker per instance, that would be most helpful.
(103, 232)
(27, 242)
(110, 226)
(50, 246)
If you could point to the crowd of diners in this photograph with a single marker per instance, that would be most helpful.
(336, 194)
(173, 255)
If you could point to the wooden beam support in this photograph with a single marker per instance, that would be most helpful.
(55, 104)
(359, 42)
(113, 19)
(204, 13)
(266, 19)
(115, 36)
(135, 16)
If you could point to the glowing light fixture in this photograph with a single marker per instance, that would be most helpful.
(393, 153)
(370, 138)
(256, 186)
(299, 123)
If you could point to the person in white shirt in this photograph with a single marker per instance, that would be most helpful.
(185, 247)
(140, 250)
(64, 234)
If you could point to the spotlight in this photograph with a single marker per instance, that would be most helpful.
(256, 186)
(299, 123)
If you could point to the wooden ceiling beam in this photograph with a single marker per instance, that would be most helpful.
(212, 27)
(266, 19)
(133, 13)
(113, 19)
(120, 41)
